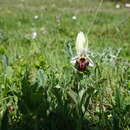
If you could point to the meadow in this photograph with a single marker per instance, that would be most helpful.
(39, 88)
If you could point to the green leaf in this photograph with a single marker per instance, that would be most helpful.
(5, 63)
(73, 95)
(40, 78)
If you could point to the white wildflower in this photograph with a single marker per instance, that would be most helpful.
(82, 60)
(117, 6)
(34, 35)
(127, 5)
(74, 17)
(36, 17)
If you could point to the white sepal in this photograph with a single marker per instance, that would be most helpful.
(81, 43)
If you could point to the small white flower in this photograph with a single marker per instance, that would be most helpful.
(36, 17)
(74, 17)
(34, 35)
(117, 6)
(127, 5)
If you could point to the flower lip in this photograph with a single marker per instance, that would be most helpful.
(81, 64)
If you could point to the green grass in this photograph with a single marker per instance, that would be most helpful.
(40, 89)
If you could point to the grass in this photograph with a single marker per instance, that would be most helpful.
(39, 88)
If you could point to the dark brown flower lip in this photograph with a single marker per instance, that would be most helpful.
(81, 64)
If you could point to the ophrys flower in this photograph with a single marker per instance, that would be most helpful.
(82, 60)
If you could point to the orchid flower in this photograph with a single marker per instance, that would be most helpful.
(82, 60)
